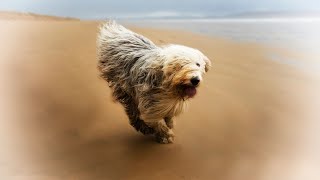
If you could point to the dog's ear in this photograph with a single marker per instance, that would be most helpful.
(208, 63)
(171, 68)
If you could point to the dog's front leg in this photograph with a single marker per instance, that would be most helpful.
(163, 134)
(169, 122)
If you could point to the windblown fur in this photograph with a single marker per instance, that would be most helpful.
(151, 82)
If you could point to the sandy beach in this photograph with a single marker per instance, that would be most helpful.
(253, 118)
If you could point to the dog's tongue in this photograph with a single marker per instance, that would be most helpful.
(190, 91)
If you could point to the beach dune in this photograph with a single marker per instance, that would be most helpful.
(253, 118)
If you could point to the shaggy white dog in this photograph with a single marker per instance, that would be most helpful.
(152, 83)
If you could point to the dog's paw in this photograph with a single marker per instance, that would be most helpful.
(165, 138)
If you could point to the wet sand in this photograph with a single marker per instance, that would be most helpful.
(253, 118)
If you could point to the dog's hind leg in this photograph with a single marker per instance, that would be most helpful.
(132, 111)
(141, 126)
(135, 121)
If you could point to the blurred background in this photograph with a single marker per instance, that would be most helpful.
(256, 116)
(286, 23)
(180, 9)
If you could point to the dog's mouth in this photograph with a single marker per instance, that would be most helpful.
(188, 91)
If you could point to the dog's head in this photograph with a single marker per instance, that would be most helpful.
(184, 68)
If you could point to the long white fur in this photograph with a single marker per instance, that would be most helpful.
(146, 78)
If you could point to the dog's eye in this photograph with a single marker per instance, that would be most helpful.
(198, 64)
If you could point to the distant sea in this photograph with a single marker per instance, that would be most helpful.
(297, 34)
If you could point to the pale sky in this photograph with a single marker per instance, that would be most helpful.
(154, 8)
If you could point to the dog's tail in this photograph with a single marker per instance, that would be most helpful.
(114, 39)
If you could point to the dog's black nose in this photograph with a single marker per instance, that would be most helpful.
(195, 81)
